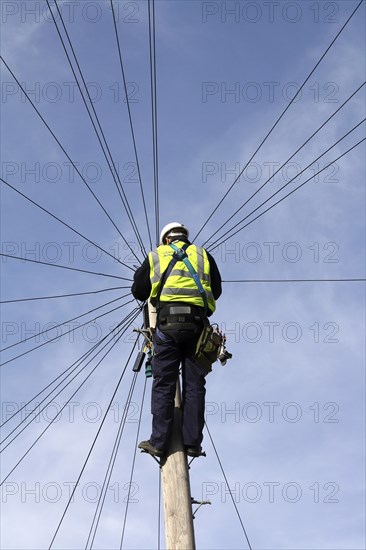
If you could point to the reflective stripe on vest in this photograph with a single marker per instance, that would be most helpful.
(180, 285)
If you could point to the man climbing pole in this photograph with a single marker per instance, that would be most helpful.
(182, 281)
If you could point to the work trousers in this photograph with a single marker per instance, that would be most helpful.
(168, 356)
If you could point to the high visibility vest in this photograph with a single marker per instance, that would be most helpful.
(180, 285)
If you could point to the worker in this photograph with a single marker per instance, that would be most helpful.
(182, 306)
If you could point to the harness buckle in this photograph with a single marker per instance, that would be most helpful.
(179, 254)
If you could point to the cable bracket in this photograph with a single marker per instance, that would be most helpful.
(200, 503)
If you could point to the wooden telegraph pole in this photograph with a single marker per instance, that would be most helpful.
(178, 517)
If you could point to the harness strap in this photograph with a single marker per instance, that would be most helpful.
(167, 272)
(181, 255)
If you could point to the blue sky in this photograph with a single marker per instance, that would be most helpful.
(287, 412)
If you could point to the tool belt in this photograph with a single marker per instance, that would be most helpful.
(180, 321)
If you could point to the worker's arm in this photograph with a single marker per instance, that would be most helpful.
(141, 287)
(215, 277)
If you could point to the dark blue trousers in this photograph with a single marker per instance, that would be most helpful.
(168, 356)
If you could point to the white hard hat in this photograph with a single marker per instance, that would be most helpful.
(168, 229)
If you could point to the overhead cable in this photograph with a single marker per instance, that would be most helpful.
(67, 155)
(64, 322)
(108, 474)
(154, 115)
(63, 266)
(359, 280)
(215, 245)
(130, 121)
(62, 295)
(78, 362)
(64, 333)
(93, 443)
(32, 414)
(284, 164)
(228, 487)
(133, 463)
(63, 222)
(280, 117)
(105, 147)
(62, 408)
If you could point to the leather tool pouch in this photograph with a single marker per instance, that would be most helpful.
(208, 347)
